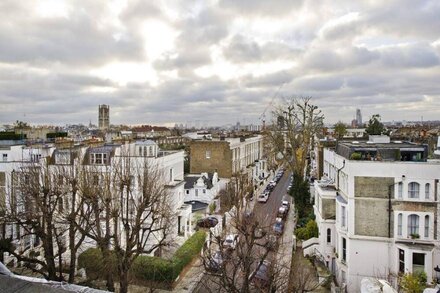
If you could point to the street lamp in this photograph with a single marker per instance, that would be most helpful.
(437, 274)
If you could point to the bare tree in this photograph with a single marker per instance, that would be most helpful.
(143, 222)
(70, 206)
(97, 211)
(292, 134)
(234, 270)
(238, 191)
(33, 205)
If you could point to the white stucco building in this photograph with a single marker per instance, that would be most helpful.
(101, 163)
(377, 211)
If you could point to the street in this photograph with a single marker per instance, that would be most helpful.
(265, 214)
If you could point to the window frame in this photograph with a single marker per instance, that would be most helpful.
(413, 224)
(400, 224)
(414, 190)
(427, 191)
(426, 227)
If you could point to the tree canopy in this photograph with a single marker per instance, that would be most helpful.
(340, 130)
(375, 126)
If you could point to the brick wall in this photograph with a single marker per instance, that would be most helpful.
(220, 158)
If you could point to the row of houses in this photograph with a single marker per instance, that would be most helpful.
(377, 209)
(186, 193)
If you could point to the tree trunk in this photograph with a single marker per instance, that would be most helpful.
(109, 274)
(49, 252)
(123, 280)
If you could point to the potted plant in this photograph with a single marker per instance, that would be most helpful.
(414, 236)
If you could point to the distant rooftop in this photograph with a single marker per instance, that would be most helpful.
(382, 150)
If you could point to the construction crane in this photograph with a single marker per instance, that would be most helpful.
(263, 115)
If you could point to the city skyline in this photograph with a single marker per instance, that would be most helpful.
(217, 61)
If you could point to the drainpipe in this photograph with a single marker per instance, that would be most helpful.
(343, 165)
(389, 204)
(389, 210)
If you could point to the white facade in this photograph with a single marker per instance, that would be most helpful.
(12, 159)
(203, 187)
(354, 250)
(105, 160)
(245, 153)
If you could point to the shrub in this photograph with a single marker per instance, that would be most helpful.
(307, 232)
(413, 283)
(153, 268)
(355, 156)
(92, 261)
(146, 268)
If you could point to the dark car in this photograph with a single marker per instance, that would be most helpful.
(278, 227)
(260, 277)
(207, 222)
(215, 262)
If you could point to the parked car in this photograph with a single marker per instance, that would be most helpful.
(272, 241)
(269, 188)
(207, 222)
(231, 241)
(259, 233)
(282, 212)
(263, 197)
(285, 204)
(289, 187)
(215, 261)
(278, 227)
(260, 277)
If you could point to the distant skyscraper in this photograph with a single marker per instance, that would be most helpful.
(104, 117)
(358, 117)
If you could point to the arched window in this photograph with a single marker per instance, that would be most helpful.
(399, 190)
(427, 191)
(413, 190)
(413, 225)
(426, 226)
(329, 235)
(399, 225)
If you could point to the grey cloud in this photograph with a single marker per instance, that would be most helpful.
(320, 84)
(45, 63)
(405, 18)
(78, 39)
(262, 7)
(414, 55)
(268, 80)
(327, 59)
(242, 49)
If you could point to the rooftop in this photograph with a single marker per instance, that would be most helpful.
(382, 150)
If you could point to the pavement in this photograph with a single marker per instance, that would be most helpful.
(286, 249)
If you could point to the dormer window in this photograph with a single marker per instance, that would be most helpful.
(99, 158)
(62, 158)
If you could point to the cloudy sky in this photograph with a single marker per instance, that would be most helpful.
(217, 61)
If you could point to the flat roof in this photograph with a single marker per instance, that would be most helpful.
(390, 145)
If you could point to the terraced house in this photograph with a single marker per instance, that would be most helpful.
(76, 177)
(377, 211)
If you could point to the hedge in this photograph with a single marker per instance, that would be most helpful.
(151, 268)
(92, 261)
(191, 248)
(147, 268)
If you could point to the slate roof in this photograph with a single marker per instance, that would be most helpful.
(197, 205)
(191, 180)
